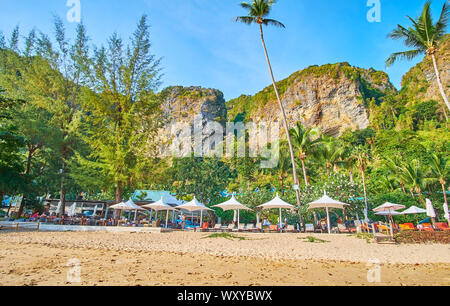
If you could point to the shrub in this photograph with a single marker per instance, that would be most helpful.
(423, 237)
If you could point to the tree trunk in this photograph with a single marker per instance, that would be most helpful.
(350, 172)
(294, 167)
(438, 78)
(366, 212)
(27, 172)
(62, 197)
(305, 176)
(119, 190)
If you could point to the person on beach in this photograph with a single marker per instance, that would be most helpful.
(184, 222)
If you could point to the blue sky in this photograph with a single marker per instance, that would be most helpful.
(202, 46)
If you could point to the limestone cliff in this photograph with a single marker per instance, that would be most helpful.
(331, 97)
(419, 84)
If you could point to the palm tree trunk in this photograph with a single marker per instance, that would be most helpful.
(438, 77)
(291, 149)
(305, 176)
(366, 212)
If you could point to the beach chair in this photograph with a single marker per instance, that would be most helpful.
(217, 228)
(258, 227)
(310, 228)
(273, 228)
(230, 228)
(407, 227)
(426, 227)
(343, 229)
(290, 229)
(443, 226)
(250, 227)
(204, 227)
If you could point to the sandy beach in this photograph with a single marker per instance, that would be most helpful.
(192, 259)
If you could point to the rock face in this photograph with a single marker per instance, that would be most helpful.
(420, 84)
(331, 97)
(188, 108)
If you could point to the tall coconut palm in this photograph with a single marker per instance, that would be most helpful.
(302, 140)
(423, 37)
(258, 11)
(439, 173)
(361, 155)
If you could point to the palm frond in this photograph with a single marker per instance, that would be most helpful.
(408, 55)
(441, 25)
(273, 22)
(245, 19)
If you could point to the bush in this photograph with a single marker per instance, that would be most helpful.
(423, 237)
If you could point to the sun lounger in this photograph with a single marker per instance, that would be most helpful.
(250, 228)
(343, 229)
(258, 227)
(230, 228)
(426, 227)
(310, 228)
(290, 229)
(217, 228)
(273, 228)
(407, 227)
(443, 226)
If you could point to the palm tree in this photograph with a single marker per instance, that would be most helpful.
(361, 155)
(411, 173)
(438, 173)
(330, 153)
(424, 37)
(395, 167)
(284, 166)
(258, 10)
(303, 143)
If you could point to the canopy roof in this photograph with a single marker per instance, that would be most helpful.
(193, 205)
(414, 210)
(389, 207)
(129, 205)
(232, 204)
(277, 203)
(158, 206)
(327, 202)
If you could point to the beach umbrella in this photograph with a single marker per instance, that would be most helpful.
(233, 204)
(58, 208)
(161, 206)
(72, 210)
(128, 206)
(327, 203)
(277, 203)
(430, 209)
(193, 206)
(390, 209)
(386, 213)
(446, 212)
(414, 210)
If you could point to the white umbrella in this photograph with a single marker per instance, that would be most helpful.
(277, 203)
(387, 213)
(327, 203)
(58, 208)
(446, 212)
(129, 206)
(233, 204)
(72, 210)
(161, 206)
(430, 209)
(194, 205)
(389, 209)
(414, 210)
